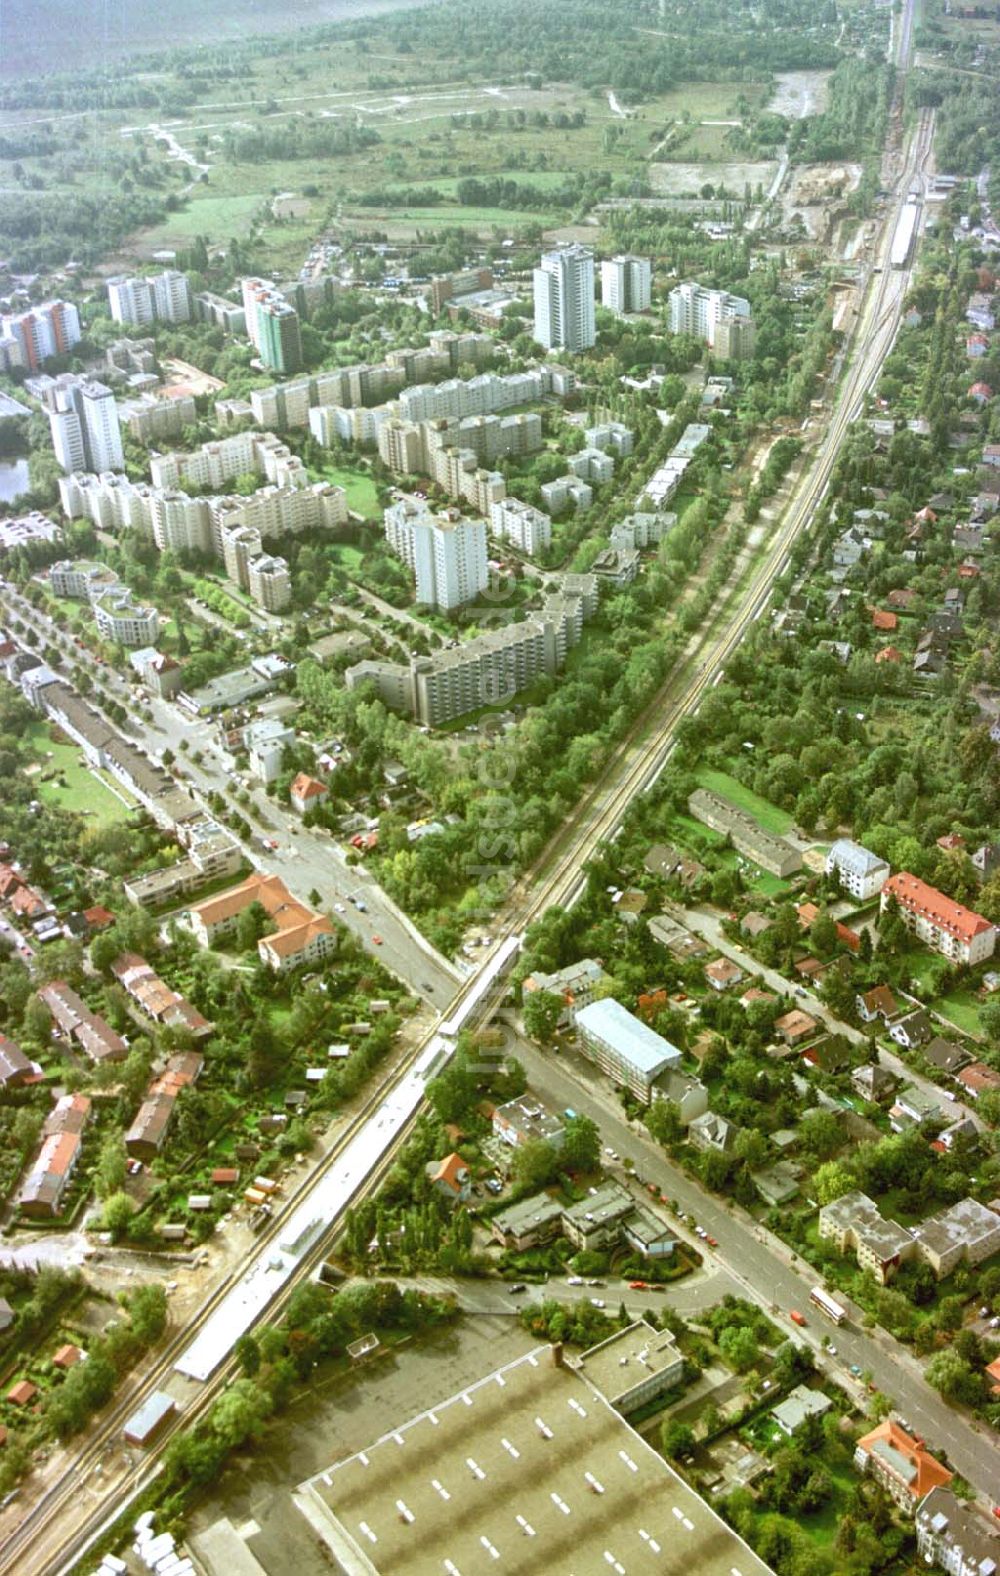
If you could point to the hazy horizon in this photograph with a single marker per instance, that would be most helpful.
(44, 36)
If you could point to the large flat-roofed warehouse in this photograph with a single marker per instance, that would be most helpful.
(529, 1470)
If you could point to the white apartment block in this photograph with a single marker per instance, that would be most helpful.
(613, 437)
(564, 299)
(265, 742)
(446, 552)
(948, 927)
(143, 299)
(355, 424)
(626, 283)
(565, 491)
(125, 621)
(525, 527)
(86, 434)
(861, 872)
(81, 579)
(240, 544)
(592, 465)
(180, 524)
(696, 310)
(270, 583)
(279, 511)
(641, 530)
(149, 419)
(215, 464)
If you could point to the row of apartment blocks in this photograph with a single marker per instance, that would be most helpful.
(489, 394)
(29, 338)
(142, 299)
(233, 527)
(489, 670)
(118, 616)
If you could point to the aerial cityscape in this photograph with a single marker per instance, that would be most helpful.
(500, 767)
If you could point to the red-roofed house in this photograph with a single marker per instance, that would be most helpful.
(67, 1357)
(450, 1177)
(976, 345)
(951, 842)
(9, 882)
(980, 392)
(307, 792)
(901, 1464)
(883, 620)
(954, 931)
(888, 654)
(978, 1077)
(22, 1392)
(902, 600)
(26, 903)
(98, 918)
(993, 1374)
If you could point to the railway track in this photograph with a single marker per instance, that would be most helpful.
(41, 1543)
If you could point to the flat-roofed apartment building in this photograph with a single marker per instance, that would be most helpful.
(954, 931)
(773, 854)
(624, 1048)
(633, 1366)
(528, 1468)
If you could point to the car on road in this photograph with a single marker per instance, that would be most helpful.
(831, 1349)
(796, 1317)
(598, 1302)
(426, 985)
(711, 1242)
(338, 908)
(855, 1370)
(574, 1280)
(638, 1286)
(376, 941)
(594, 1281)
(700, 1231)
(517, 1288)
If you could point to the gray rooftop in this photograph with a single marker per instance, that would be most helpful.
(648, 1052)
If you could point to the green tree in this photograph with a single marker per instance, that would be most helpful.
(581, 1148)
(240, 1413)
(536, 1164)
(542, 1011)
(831, 1181)
(738, 1345)
(116, 1215)
(110, 1170)
(677, 1440)
(147, 1309)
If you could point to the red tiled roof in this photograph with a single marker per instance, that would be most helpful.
(22, 1392)
(928, 1474)
(884, 620)
(918, 898)
(306, 787)
(888, 654)
(450, 1171)
(67, 1356)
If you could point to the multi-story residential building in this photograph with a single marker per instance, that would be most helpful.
(774, 854)
(526, 1121)
(525, 527)
(214, 464)
(564, 299)
(965, 1233)
(592, 465)
(612, 437)
(131, 301)
(624, 1048)
(489, 670)
(141, 300)
(160, 673)
(265, 742)
(860, 872)
(735, 338)
(150, 420)
(447, 553)
(230, 316)
(641, 530)
(626, 283)
(697, 311)
(270, 583)
(401, 447)
(301, 935)
(272, 325)
(444, 286)
(904, 1468)
(127, 622)
(240, 544)
(954, 1535)
(577, 984)
(557, 495)
(44, 1187)
(155, 997)
(634, 1366)
(75, 1021)
(81, 578)
(957, 932)
(854, 1223)
(86, 434)
(27, 339)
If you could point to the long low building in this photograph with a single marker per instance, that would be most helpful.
(44, 1188)
(773, 854)
(77, 1022)
(518, 1469)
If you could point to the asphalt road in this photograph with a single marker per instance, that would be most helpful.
(755, 1259)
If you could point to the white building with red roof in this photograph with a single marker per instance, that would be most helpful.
(956, 932)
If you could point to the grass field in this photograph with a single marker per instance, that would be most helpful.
(768, 815)
(76, 787)
(362, 494)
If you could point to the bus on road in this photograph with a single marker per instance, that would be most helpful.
(825, 1303)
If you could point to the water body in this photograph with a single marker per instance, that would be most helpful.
(13, 479)
(43, 36)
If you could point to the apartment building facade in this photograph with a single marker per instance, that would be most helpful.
(626, 283)
(564, 299)
(85, 429)
(697, 311)
(948, 927)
